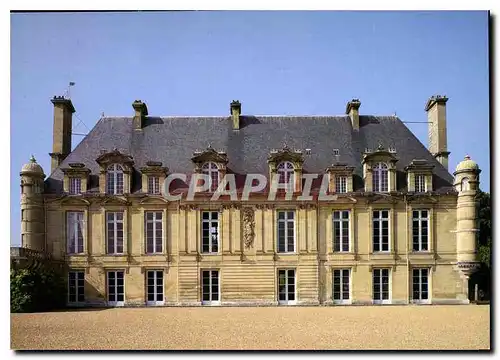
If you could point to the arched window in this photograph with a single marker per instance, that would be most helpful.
(210, 169)
(114, 179)
(464, 184)
(285, 172)
(380, 177)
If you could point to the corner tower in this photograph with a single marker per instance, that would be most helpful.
(467, 184)
(32, 208)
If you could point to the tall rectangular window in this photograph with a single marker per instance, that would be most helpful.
(420, 285)
(76, 286)
(381, 230)
(75, 185)
(153, 185)
(286, 231)
(381, 287)
(420, 230)
(210, 232)
(154, 231)
(154, 287)
(340, 184)
(341, 285)
(341, 231)
(114, 232)
(286, 286)
(419, 183)
(210, 286)
(74, 232)
(116, 288)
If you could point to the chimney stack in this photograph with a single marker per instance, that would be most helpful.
(63, 120)
(352, 109)
(235, 114)
(436, 116)
(141, 111)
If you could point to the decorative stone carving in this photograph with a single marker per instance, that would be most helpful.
(248, 227)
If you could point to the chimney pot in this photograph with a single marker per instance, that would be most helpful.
(141, 111)
(235, 109)
(352, 109)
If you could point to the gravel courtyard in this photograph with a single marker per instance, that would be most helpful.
(349, 327)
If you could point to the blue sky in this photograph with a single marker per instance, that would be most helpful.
(195, 63)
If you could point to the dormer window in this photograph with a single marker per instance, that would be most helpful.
(285, 171)
(285, 165)
(211, 169)
(212, 163)
(75, 185)
(76, 178)
(419, 176)
(340, 184)
(380, 177)
(114, 179)
(420, 183)
(153, 185)
(464, 184)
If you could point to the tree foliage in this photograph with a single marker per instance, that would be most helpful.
(484, 238)
(36, 290)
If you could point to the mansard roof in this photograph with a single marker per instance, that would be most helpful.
(173, 140)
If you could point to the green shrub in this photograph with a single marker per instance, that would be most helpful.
(36, 290)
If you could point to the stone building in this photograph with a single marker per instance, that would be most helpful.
(395, 227)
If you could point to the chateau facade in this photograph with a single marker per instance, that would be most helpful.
(374, 217)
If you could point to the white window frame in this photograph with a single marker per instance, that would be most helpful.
(214, 232)
(381, 220)
(114, 221)
(212, 170)
(383, 301)
(420, 183)
(155, 221)
(115, 180)
(342, 301)
(421, 219)
(380, 177)
(154, 185)
(116, 302)
(155, 292)
(211, 302)
(342, 222)
(341, 184)
(73, 220)
(287, 302)
(421, 301)
(75, 185)
(287, 169)
(286, 220)
(79, 288)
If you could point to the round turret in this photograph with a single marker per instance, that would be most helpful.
(32, 168)
(467, 165)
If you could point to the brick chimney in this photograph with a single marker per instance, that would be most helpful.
(63, 120)
(436, 116)
(235, 114)
(352, 109)
(141, 111)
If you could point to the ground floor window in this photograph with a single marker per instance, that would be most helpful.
(154, 287)
(210, 287)
(420, 285)
(286, 286)
(76, 286)
(341, 285)
(116, 288)
(381, 286)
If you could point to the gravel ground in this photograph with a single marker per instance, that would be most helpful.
(346, 327)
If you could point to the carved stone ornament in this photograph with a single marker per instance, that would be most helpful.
(248, 227)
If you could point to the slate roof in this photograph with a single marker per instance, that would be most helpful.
(173, 140)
